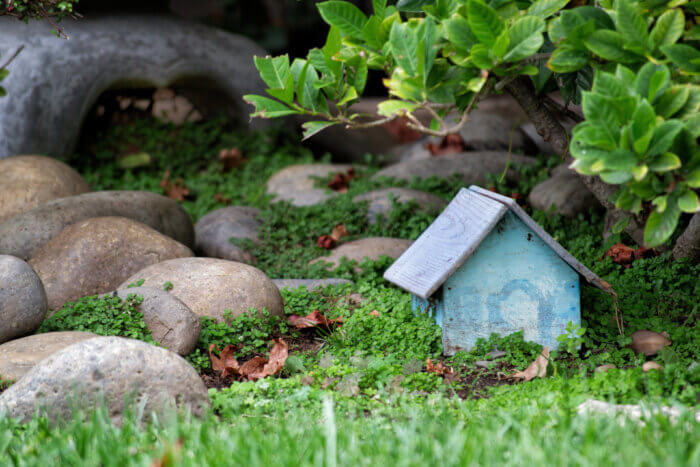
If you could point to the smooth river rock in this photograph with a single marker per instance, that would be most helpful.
(380, 201)
(372, 248)
(214, 231)
(170, 321)
(30, 181)
(564, 191)
(53, 83)
(25, 234)
(471, 167)
(96, 255)
(210, 287)
(109, 369)
(297, 183)
(23, 303)
(19, 356)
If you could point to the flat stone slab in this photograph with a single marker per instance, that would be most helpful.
(170, 321)
(25, 234)
(109, 370)
(296, 184)
(310, 284)
(23, 302)
(214, 231)
(44, 110)
(210, 287)
(372, 248)
(380, 201)
(96, 255)
(471, 167)
(30, 181)
(19, 356)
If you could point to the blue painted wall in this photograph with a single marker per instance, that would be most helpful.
(512, 282)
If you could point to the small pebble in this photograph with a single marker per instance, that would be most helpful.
(484, 364)
(648, 366)
(494, 354)
(605, 368)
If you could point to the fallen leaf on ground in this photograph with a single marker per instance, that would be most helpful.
(314, 319)
(439, 369)
(221, 199)
(134, 160)
(225, 364)
(255, 368)
(537, 369)
(341, 180)
(450, 144)
(339, 231)
(326, 241)
(625, 255)
(174, 189)
(231, 158)
(400, 130)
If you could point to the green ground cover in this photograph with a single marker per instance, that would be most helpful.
(359, 395)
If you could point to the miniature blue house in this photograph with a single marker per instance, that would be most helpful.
(485, 266)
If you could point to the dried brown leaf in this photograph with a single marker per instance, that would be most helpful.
(439, 369)
(260, 367)
(339, 231)
(174, 189)
(340, 181)
(536, 369)
(231, 158)
(325, 241)
(225, 364)
(450, 144)
(625, 255)
(314, 319)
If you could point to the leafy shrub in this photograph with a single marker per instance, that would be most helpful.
(441, 56)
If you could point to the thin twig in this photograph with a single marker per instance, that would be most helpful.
(12, 57)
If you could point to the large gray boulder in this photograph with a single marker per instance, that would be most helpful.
(109, 370)
(366, 248)
(53, 83)
(297, 183)
(564, 192)
(22, 299)
(380, 201)
(19, 356)
(471, 167)
(25, 234)
(213, 233)
(210, 287)
(170, 321)
(30, 181)
(96, 255)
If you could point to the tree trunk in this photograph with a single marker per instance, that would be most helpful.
(555, 134)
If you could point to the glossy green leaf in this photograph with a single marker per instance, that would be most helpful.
(596, 135)
(413, 6)
(693, 179)
(688, 202)
(672, 100)
(608, 85)
(484, 22)
(661, 225)
(313, 128)
(663, 137)
(567, 60)
(668, 29)
(686, 57)
(616, 178)
(343, 15)
(349, 96)
(481, 57)
(379, 7)
(459, 33)
(620, 160)
(393, 107)
(599, 109)
(658, 82)
(404, 47)
(609, 45)
(500, 46)
(643, 123)
(273, 70)
(621, 225)
(631, 24)
(429, 38)
(525, 38)
(665, 162)
(546, 8)
(268, 108)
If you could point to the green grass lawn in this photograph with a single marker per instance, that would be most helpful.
(359, 395)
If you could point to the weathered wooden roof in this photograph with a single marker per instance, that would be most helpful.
(457, 233)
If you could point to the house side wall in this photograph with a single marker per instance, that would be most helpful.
(512, 282)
